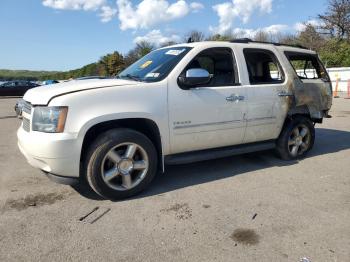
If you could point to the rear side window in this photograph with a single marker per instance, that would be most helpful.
(263, 67)
(307, 66)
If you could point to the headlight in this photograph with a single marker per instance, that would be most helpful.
(49, 119)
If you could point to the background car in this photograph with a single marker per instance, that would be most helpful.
(50, 82)
(16, 88)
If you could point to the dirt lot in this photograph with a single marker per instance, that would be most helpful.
(247, 208)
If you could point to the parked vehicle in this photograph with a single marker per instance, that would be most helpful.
(16, 88)
(50, 82)
(179, 104)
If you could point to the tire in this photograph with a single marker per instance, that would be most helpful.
(120, 163)
(296, 139)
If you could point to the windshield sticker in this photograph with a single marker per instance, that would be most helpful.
(146, 64)
(175, 52)
(152, 75)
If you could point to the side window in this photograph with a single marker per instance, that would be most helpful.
(219, 62)
(275, 72)
(263, 67)
(10, 84)
(307, 66)
(206, 63)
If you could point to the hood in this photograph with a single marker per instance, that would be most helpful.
(42, 95)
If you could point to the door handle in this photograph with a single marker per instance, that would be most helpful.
(230, 98)
(234, 98)
(284, 94)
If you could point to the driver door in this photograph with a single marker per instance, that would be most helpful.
(210, 115)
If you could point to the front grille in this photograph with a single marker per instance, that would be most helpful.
(27, 107)
(26, 124)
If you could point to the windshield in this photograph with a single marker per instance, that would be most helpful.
(156, 65)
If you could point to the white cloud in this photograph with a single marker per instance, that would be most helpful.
(196, 6)
(107, 13)
(157, 38)
(238, 9)
(301, 26)
(144, 15)
(275, 29)
(74, 4)
(151, 12)
(251, 33)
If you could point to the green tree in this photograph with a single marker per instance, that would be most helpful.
(195, 36)
(336, 53)
(310, 38)
(262, 36)
(336, 20)
(218, 37)
(141, 49)
(112, 63)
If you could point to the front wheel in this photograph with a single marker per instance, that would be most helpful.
(121, 163)
(296, 139)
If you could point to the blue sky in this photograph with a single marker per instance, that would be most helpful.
(67, 34)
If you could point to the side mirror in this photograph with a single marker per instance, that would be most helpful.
(194, 77)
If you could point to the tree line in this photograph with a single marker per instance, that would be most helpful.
(330, 37)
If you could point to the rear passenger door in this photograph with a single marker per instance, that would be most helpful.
(266, 95)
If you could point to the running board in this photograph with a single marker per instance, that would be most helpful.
(208, 154)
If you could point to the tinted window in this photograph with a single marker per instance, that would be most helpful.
(307, 66)
(219, 62)
(263, 67)
(156, 65)
(9, 84)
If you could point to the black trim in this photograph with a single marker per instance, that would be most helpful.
(71, 181)
(248, 40)
(208, 154)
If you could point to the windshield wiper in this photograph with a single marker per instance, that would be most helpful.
(132, 77)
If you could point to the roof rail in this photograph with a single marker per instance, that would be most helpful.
(248, 40)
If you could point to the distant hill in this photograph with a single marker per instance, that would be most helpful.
(6, 75)
(88, 70)
(108, 65)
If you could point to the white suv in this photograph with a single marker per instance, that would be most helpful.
(179, 104)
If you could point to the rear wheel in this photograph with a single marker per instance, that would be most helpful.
(297, 138)
(121, 163)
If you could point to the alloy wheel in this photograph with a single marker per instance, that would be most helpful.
(299, 140)
(124, 166)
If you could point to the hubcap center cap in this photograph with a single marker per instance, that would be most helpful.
(125, 166)
(299, 140)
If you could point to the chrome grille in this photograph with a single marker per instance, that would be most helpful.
(26, 124)
(27, 107)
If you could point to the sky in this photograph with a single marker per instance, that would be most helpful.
(68, 34)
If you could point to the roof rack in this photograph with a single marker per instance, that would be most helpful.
(248, 40)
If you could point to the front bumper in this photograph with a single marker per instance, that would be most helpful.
(57, 154)
(64, 180)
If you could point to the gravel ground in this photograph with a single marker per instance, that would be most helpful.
(253, 207)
